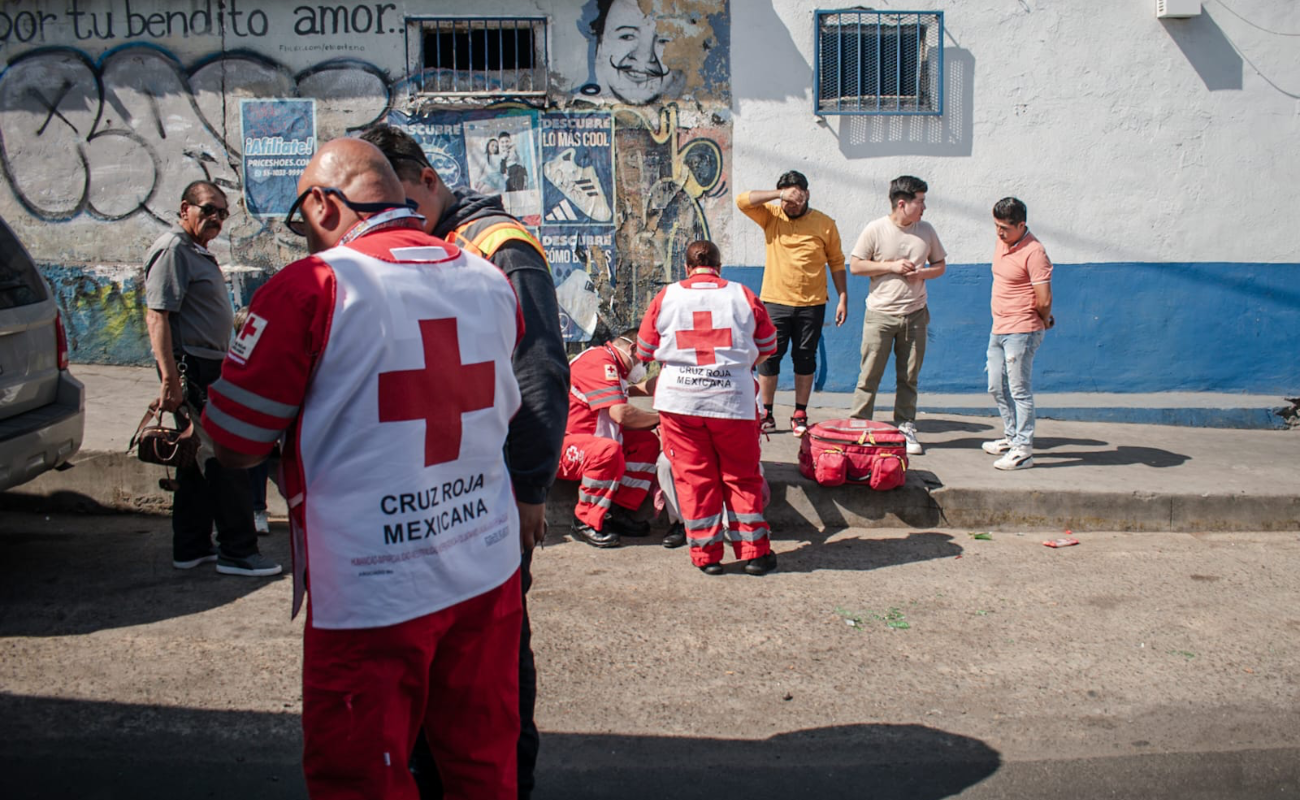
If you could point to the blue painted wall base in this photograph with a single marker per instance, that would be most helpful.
(1141, 327)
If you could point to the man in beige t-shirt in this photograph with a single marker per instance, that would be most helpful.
(899, 253)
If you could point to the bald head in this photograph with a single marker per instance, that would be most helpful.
(360, 172)
(356, 168)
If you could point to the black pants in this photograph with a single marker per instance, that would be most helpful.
(422, 763)
(224, 496)
(799, 330)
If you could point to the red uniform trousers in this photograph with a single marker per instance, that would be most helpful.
(367, 692)
(609, 474)
(716, 461)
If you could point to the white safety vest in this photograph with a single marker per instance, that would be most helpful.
(707, 351)
(401, 521)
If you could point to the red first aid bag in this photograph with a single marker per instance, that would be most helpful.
(854, 451)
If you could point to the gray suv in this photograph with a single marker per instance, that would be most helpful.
(42, 407)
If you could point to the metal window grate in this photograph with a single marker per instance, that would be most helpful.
(879, 62)
(483, 56)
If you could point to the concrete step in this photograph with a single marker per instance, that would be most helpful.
(1088, 475)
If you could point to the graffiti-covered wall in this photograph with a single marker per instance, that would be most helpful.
(614, 146)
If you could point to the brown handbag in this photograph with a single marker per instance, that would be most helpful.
(157, 443)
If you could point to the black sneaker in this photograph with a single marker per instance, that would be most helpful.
(676, 535)
(619, 520)
(761, 565)
(711, 569)
(585, 533)
(254, 566)
(191, 563)
(769, 423)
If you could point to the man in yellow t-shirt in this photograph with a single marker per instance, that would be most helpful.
(801, 242)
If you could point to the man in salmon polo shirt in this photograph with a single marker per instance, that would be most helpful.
(1022, 312)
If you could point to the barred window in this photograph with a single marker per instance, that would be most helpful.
(879, 62)
(481, 57)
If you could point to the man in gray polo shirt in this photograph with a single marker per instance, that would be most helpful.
(189, 316)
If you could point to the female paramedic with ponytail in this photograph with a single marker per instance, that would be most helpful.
(709, 334)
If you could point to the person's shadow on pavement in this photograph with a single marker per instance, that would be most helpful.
(865, 553)
(78, 748)
(951, 426)
(1124, 455)
(75, 575)
(1040, 444)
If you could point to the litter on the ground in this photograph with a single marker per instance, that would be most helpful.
(1064, 541)
(981, 536)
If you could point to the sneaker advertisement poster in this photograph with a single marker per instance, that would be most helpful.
(582, 261)
(578, 214)
(578, 162)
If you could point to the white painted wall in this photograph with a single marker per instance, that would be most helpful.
(1131, 139)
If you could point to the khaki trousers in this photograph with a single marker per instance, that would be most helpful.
(906, 337)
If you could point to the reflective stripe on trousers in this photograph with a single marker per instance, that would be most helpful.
(716, 461)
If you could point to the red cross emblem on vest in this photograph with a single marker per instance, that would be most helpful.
(704, 338)
(438, 394)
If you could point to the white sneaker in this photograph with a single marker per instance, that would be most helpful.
(261, 523)
(997, 447)
(1016, 458)
(908, 429)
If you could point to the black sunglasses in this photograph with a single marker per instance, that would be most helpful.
(422, 163)
(209, 210)
(299, 225)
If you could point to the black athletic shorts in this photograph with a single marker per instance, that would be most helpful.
(799, 330)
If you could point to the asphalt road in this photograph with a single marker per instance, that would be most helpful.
(874, 664)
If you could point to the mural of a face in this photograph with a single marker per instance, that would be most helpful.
(629, 56)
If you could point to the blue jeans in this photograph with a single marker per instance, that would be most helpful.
(1010, 368)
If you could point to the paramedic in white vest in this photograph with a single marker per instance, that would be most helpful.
(384, 359)
(708, 334)
(479, 223)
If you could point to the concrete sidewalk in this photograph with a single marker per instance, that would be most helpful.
(1088, 475)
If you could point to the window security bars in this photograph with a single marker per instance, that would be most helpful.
(483, 57)
(879, 62)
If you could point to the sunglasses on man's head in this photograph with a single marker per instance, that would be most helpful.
(422, 163)
(299, 225)
(209, 210)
